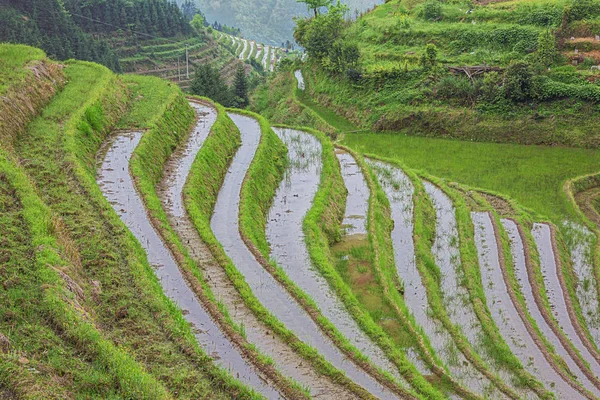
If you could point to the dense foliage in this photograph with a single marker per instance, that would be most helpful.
(47, 24)
(208, 82)
(407, 64)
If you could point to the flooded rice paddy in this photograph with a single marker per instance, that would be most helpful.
(275, 298)
(118, 187)
(505, 314)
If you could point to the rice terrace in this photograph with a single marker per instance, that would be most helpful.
(281, 199)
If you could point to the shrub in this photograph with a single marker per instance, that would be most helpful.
(432, 10)
(546, 49)
(518, 81)
(461, 88)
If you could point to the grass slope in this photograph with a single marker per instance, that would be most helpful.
(122, 292)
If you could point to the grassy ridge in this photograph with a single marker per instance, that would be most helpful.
(70, 315)
(200, 194)
(127, 300)
(74, 348)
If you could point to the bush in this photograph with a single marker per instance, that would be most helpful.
(518, 81)
(432, 10)
(461, 88)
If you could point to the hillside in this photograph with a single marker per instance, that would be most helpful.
(344, 243)
(270, 22)
(518, 71)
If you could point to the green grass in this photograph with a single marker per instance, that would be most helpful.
(13, 59)
(130, 306)
(532, 175)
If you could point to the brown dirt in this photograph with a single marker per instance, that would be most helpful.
(538, 341)
(502, 206)
(585, 200)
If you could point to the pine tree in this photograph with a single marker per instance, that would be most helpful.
(240, 87)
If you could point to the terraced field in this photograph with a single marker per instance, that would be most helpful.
(161, 246)
(266, 56)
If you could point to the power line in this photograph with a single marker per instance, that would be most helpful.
(120, 27)
(187, 62)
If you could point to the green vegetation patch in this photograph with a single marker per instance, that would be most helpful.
(13, 60)
(532, 175)
(123, 292)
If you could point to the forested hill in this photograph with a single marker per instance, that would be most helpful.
(268, 21)
(80, 29)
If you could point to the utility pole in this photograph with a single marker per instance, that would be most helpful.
(187, 63)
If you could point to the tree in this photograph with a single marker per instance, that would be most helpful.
(518, 81)
(240, 87)
(315, 5)
(429, 58)
(209, 83)
(546, 48)
(197, 23)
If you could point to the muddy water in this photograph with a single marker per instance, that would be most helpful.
(518, 256)
(399, 190)
(300, 79)
(285, 235)
(275, 298)
(580, 242)
(118, 187)
(505, 314)
(357, 202)
(287, 361)
(556, 296)
(273, 60)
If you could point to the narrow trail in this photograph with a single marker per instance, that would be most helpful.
(399, 190)
(557, 293)
(506, 316)
(287, 361)
(300, 79)
(285, 235)
(275, 298)
(119, 189)
(522, 275)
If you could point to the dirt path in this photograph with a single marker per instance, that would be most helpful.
(118, 187)
(225, 225)
(514, 326)
(257, 333)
